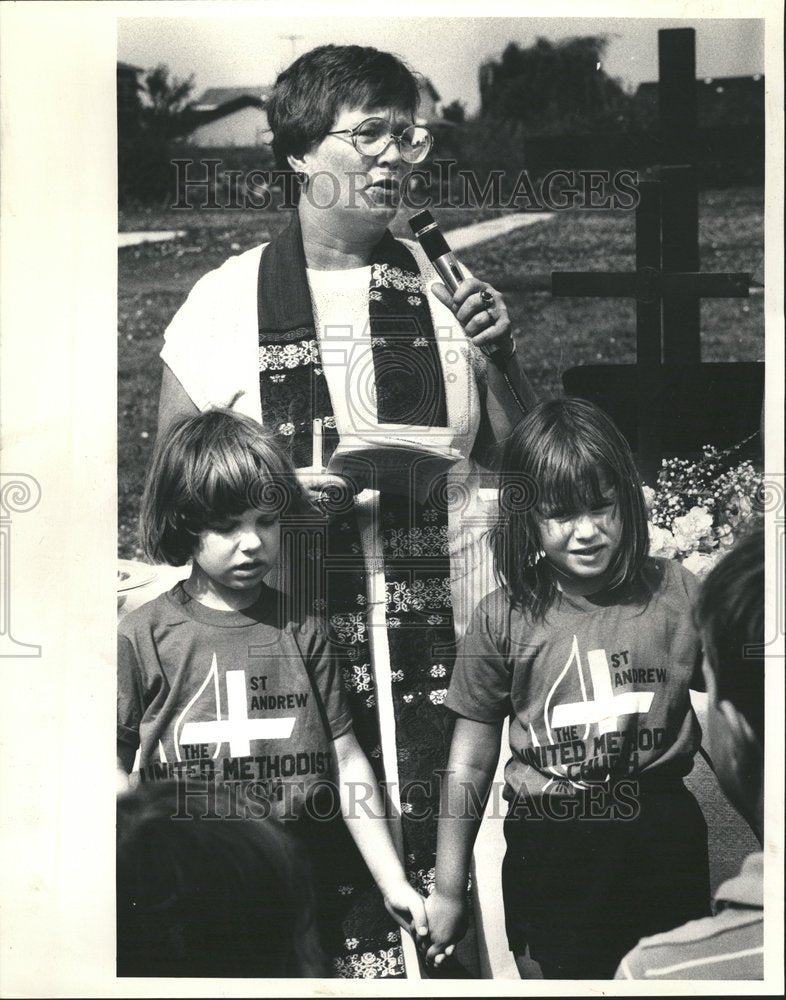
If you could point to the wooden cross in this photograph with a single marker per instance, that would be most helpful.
(667, 284)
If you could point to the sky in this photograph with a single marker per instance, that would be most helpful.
(242, 50)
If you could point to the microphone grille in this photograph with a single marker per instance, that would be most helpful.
(420, 221)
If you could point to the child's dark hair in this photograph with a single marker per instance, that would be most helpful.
(207, 468)
(552, 463)
(209, 896)
(730, 617)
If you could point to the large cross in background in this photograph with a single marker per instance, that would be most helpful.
(667, 283)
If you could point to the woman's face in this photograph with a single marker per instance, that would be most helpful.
(365, 191)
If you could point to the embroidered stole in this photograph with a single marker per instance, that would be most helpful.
(420, 633)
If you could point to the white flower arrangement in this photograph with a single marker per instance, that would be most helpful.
(699, 507)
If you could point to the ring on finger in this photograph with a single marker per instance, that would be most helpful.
(487, 299)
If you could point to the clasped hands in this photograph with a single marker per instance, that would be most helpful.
(436, 923)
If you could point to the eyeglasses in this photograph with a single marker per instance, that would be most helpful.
(373, 135)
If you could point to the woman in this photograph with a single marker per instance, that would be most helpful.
(336, 325)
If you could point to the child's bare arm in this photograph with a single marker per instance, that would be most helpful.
(474, 753)
(364, 813)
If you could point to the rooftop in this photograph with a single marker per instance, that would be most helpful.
(215, 97)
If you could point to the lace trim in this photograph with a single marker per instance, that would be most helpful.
(350, 627)
(274, 357)
(288, 428)
(428, 541)
(357, 677)
(390, 276)
(423, 595)
(371, 965)
(422, 879)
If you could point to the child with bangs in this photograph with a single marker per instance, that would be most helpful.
(589, 649)
(220, 685)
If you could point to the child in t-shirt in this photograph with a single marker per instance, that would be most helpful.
(589, 649)
(219, 684)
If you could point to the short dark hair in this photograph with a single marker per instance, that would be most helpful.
(308, 95)
(553, 461)
(210, 896)
(730, 617)
(206, 468)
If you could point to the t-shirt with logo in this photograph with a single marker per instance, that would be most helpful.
(251, 696)
(598, 691)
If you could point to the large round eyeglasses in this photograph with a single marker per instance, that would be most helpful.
(373, 135)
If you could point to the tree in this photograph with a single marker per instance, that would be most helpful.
(552, 87)
(166, 100)
(144, 136)
(456, 112)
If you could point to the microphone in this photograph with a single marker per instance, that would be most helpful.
(430, 237)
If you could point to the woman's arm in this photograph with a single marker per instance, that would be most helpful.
(364, 813)
(509, 393)
(503, 408)
(474, 753)
(173, 402)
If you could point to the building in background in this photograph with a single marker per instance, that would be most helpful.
(235, 116)
(229, 116)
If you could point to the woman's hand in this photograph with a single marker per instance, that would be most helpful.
(320, 485)
(481, 310)
(408, 909)
(447, 924)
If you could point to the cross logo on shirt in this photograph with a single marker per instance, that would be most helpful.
(606, 707)
(238, 730)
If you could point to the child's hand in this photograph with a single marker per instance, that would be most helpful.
(407, 908)
(447, 924)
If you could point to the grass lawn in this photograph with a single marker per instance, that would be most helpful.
(552, 334)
